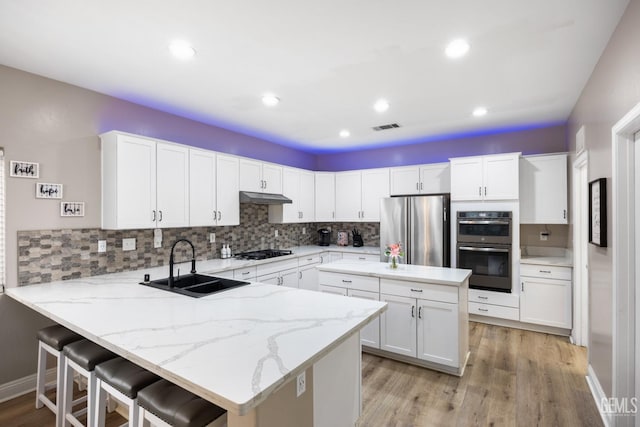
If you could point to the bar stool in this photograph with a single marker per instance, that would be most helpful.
(82, 357)
(121, 379)
(52, 340)
(166, 404)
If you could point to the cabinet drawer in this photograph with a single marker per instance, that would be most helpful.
(426, 291)
(363, 283)
(494, 311)
(361, 257)
(308, 260)
(276, 266)
(494, 298)
(247, 273)
(548, 271)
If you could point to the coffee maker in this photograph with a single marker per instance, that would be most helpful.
(324, 237)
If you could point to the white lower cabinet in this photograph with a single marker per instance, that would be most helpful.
(308, 277)
(545, 295)
(360, 257)
(247, 273)
(420, 328)
(357, 287)
(282, 278)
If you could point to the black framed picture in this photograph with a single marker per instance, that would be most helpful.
(598, 212)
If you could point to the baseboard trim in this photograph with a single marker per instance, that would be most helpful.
(520, 325)
(598, 395)
(23, 385)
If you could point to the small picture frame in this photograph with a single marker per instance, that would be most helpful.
(46, 190)
(71, 208)
(20, 169)
(598, 212)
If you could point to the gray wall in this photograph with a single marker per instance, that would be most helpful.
(612, 90)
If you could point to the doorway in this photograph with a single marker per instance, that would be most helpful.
(626, 253)
(580, 332)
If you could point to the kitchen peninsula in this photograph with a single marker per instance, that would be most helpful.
(426, 322)
(241, 349)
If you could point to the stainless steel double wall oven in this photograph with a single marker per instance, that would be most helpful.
(485, 247)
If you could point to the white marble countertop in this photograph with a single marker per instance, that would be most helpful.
(233, 348)
(218, 265)
(560, 257)
(415, 273)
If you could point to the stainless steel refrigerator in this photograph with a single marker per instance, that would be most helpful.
(421, 225)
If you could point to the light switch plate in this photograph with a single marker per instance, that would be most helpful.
(301, 384)
(212, 237)
(102, 246)
(129, 244)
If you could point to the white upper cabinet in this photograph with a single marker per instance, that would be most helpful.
(297, 185)
(213, 189)
(145, 184)
(172, 185)
(425, 179)
(492, 177)
(543, 189)
(358, 194)
(325, 196)
(227, 188)
(260, 177)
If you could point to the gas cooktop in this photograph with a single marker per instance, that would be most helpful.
(263, 254)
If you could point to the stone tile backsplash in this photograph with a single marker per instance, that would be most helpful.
(48, 255)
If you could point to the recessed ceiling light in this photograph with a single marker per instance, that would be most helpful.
(344, 133)
(457, 48)
(381, 105)
(479, 112)
(181, 49)
(270, 100)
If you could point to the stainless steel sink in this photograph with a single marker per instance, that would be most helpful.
(195, 285)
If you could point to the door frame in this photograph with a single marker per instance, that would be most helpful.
(624, 295)
(580, 332)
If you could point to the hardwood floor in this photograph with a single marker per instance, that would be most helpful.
(513, 378)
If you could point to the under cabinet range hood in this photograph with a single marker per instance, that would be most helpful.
(263, 198)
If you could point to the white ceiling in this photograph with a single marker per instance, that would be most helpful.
(328, 61)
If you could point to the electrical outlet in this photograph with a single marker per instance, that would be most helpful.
(212, 237)
(544, 236)
(304, 230)
(102, 246)
(276, 233)
(129, 244)
(301, 383)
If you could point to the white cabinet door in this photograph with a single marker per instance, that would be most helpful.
(308, 278)
(375, 186)
(202, 188)
(272, 177)
(290, 189)
(129, 182)
(501, 177)
(546, 302)
(325, 196)
(437, 329)
(348, 196)
(289, 278)
(404, 180)
(306, 196)
(543, 189)
(398, 325)
(466, 178)
(370, 334)
(251, 176)
(172, 185)
(334, 256)
(332, 290)
(435, 179)
(227, 188)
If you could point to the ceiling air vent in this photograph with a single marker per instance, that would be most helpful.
(385, 127)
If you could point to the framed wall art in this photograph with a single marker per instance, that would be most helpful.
(71, 208)
(48, 191)
(598, 212)
(19, 169)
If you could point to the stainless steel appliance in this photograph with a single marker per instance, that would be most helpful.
(263, 254)
(484, 246)
(421, 225)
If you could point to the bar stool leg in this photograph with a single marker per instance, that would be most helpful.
(41, 378)
(67, 399)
